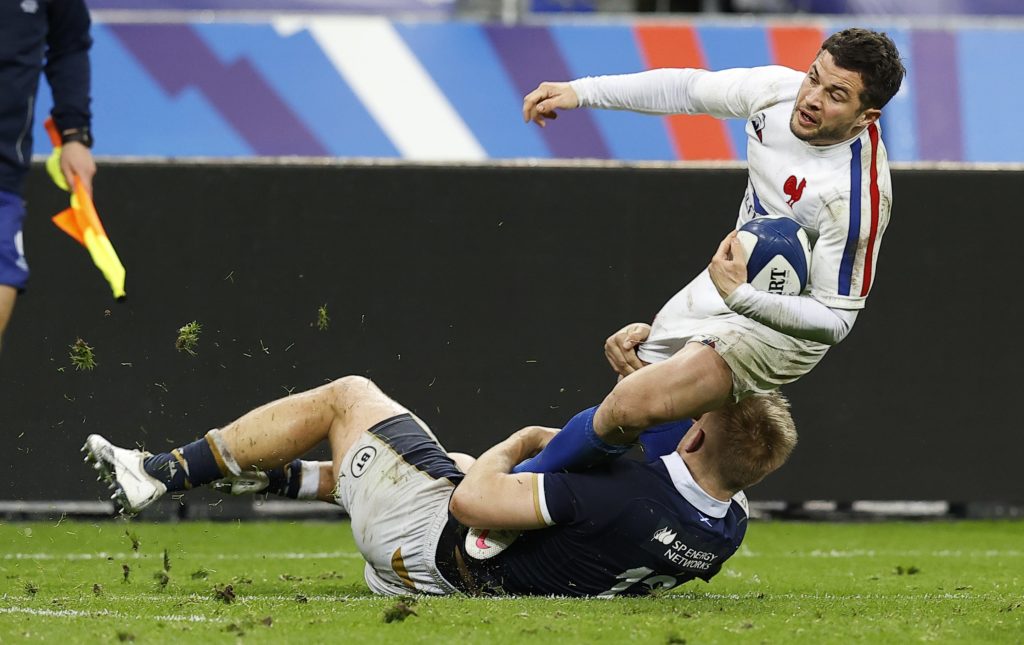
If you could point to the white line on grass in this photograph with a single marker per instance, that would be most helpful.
(102, 555)
(874, 553)
(241, 597)
(99, 613)
(758, 595)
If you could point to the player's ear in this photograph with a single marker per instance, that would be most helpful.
(694, 442)
(869, 116)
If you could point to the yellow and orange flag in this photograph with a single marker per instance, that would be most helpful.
(82, 222)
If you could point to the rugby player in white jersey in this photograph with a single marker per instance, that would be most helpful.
(623, 528)
(815, 154)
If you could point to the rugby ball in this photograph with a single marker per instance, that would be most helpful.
(778, 255)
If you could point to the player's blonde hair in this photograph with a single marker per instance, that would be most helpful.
(755, 436)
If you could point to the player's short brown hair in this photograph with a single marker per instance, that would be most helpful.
(755, 436)
(874, 56)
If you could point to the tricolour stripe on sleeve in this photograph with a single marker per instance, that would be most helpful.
(869, 256)
(540, 502)
(853, 232)
(857, 266)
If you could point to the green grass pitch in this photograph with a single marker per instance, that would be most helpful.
(953, 582)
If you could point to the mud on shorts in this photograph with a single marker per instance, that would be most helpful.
(395, 483)
(761, 359)
(13, 266)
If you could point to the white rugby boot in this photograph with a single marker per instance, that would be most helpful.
(244, 483)
(134, 488)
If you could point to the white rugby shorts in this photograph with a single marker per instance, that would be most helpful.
(761, 358)
(395, 483)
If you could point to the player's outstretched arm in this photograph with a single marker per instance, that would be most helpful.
(620, 348)
(490, 497)
(541, 103)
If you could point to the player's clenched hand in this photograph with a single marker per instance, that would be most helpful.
(728, 267)
(620, 348)
(541, 103)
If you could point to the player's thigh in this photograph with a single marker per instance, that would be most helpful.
(7, 297)
(360, 405)
(697, 379)
(693, 381)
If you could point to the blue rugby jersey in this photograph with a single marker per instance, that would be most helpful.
(623, 529)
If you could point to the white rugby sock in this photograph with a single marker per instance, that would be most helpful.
(309, 488)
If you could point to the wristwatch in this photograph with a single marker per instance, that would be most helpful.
(82, 135)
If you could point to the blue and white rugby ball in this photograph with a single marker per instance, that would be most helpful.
(778, 255)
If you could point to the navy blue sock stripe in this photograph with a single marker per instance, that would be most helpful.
(166, 468)
(195, 465)
(294, 470)
(278, 484)
(202, 464)
(285, 480)
(414, 445)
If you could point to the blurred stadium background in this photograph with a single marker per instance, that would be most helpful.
(260, 159)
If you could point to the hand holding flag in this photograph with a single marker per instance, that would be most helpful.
(81, 221)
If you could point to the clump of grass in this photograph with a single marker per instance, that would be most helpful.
(400, 610)
(188, 337)
(162, 579)
(323, 321)
(225, 594)
(82, 355)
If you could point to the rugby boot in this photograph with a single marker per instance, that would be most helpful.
(133, 488)
(248, 481)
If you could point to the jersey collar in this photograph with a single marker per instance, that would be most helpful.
(691, 490)
(825, 151)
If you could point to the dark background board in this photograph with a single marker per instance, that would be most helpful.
(481, 297)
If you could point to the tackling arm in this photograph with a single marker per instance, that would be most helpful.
(490, 497)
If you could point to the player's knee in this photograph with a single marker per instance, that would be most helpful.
(349, 389)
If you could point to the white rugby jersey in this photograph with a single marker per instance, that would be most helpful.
(840, 194)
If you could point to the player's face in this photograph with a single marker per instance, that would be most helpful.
(828, 108)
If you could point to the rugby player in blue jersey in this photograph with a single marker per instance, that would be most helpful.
(621, 528)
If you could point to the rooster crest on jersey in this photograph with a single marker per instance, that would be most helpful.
(778, 255)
